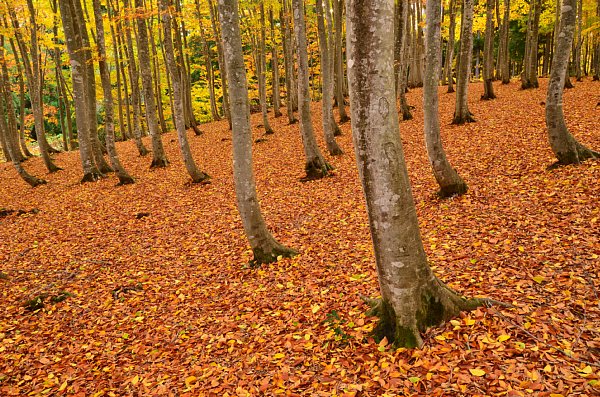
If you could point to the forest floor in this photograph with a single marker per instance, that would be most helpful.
(146, 288)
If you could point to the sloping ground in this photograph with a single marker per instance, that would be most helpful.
(162, 302)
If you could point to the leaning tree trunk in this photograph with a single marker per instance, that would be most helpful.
(179, 116)
(488, 52)
(109, 124)
(264, 246)
(316, 167)
(461, 113)
(450, 182)
(565, 147)
(327, 86)
(159, 157)
(412, 298)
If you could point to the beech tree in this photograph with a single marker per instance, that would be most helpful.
(488, 52)
(447, 178)
(264, 246)
(461, 112)
(316, 167)
(565, 147)
(412, 297)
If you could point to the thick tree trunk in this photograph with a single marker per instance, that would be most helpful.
(327, 86)
(109, 125)
(450, 182)
(179, 117)
(488, 52)
(264, 246)
(316, 167)
(291, 86)
(565, 147)
(461, 113)
(159, 158)
(412, 298)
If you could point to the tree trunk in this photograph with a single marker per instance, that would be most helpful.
(450, 47)
(274, 68)
(34, 83)
(529, 77)
(578, 42)
(159, 158)
(596, 62)
(412, 298)
(504, 41)
(262, 71)
(222, 71)
(134, 78)
(156, 76)
(210, 77)
(338, 9)
(291, 86)
(22, 102)
(461, 113)
(264, 246)
(109, 125)
(327, 86)
(316, 167)
(488, 52)
(402, 38)
(447, 178)
(179, 117)
(565, 147)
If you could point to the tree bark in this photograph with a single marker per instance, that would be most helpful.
(338, 9)
(504, 41)
(264, 246)
(159, 158)
(262, 71)
(450, 182)
(401, 43)
(461, 113)
(222, 71)
(316, 167)
(109, 125)
(274, 68)
(412, 298)
(450, 47)
(208, 66)
(291, 86)
(488, 52)
(578, 42)
(327, 85)
(179, 117)
(565, 147)
(529, 76)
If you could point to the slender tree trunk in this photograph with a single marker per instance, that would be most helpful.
(208, 66)
(34, 83)
(565, 147)
(488, 52)
(179, 117)
(447, 178)
(109, 126)
(316, 167)
(262, 71)
(288, 57)
(327, 86)
(461, 113)
(578, 42)
(596, 76)
(529, 77)
(264, 246)
(275, 68)
(338, 9)
(222, 71)
(21, 130)
(450, 47)
(156, 76)
(402, 39)
(159, 158)
(412, 298)
(504, 41)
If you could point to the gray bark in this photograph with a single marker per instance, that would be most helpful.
(274, 68)
(179, 116)
(447, 178)
(262, 71)
(504, 41)
(222, 71)
(412, 298)
(159, 158)
(291, 86)
(264, 246)
(448, 73)
(565, 147)
(338, 59)
(316, 167)
(529, 76)
(461, 113)
(488, 52)
(327, 86)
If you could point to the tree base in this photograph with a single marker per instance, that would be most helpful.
(334, 149)
(336, 130)
(450, 89)
(52, 168)
(576, 157)
(463, 119)
(406, 114)
(91, 177)
(159, 163)
(261, 257)
(202, 179)
(125, 179)
(344, 119)
(197, 131)
(456, 189)
(316, 169)
(488, 92)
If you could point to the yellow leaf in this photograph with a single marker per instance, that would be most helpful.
(548, 368)
(135, 380)
(587, 370)
(556, 395)
(189, 380)
(315, 308)
(469, 321)
(502, 338)
(476, 372)
(63, 386)
(538, 279)
(277, 356)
